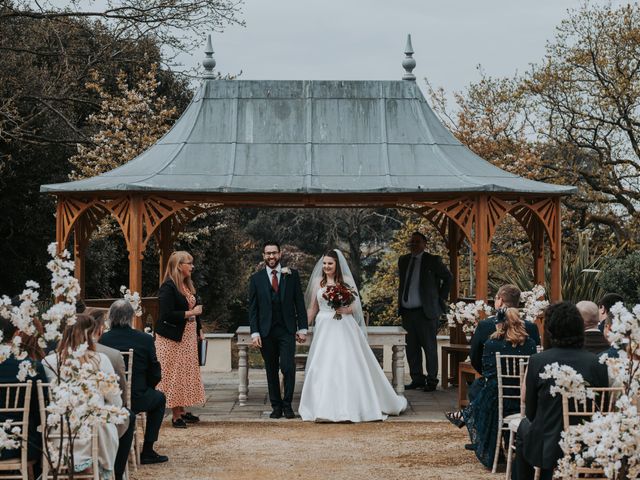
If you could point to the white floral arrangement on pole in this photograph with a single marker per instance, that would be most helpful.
(610, 440)
(468, 315)
(133, 298)
(534, 302)
(77, 391)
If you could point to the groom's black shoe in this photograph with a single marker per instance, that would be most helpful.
(414, 385)
(276, 412)
(288, 412)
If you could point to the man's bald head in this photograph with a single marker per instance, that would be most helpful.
(589, 312)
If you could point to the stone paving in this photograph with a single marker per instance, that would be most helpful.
(222, 400)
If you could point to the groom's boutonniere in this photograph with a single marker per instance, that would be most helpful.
(285, 271)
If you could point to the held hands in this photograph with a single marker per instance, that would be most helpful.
(197, 310)
(301, 337)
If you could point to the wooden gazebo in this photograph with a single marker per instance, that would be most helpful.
(311, 144)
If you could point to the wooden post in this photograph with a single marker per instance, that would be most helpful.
(164, 246)
(538, 253)
(80, 243)
(482, 248)
(454, 236)
(135, 250)
(556, 253)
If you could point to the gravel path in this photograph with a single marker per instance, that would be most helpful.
(295, 450)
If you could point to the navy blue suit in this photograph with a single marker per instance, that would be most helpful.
(277, 317)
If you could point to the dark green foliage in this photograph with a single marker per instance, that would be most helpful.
(622, 276)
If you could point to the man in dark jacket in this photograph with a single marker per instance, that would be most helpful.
(422, 295)
(538, 437)
(508, 296)
(145, 376)
(594, 339)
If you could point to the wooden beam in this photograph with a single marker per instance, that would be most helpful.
(165, 245)
(80, 243)
(537, 245)
(454, 264)
(482, 248)
(134, 233)
(556, 252)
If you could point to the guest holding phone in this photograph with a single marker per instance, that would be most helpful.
(177, 332)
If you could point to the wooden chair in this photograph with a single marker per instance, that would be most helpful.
(50, 436)
(140, 418)
(16, 401)
(128, 373)
(515, 422)
(507, 368)
(574, 411)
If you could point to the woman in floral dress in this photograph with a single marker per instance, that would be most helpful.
(177, 332)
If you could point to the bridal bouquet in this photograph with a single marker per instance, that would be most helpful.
(467, 315)
(340, 295)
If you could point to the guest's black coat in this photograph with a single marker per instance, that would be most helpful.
(595, 341)
(294, 312)
(146, 368)
(484, 330)
(540, 431)
(435, 283)
(9, 374)
(171, 322)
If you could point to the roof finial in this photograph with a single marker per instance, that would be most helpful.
(409, 63)
(209, 62)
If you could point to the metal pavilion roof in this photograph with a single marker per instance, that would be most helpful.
(308, 137)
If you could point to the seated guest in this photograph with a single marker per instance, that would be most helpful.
(145, 376)
(126, 429)
(73, 337)
(9, 374)
(594, 339)
(508, 296)
(611, 352)
(481, 415)
(607, 301)
(538, 437)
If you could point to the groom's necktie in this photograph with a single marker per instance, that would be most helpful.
(407, 285)
(274, 280)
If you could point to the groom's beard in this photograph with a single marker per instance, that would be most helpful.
(271, 263)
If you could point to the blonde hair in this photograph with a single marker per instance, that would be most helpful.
(174, 274)
(75, 335)
(512, 329)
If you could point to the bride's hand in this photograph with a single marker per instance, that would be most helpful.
(344, 310)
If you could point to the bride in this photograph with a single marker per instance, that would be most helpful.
(343, 380)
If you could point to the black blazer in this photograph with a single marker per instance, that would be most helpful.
(484, 330)
(294, 311)
(435, 283)
(540, 436)
(171, 322)
(146, 368)
(595, 342)
(9, 374)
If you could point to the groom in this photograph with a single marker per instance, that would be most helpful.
(277, 317)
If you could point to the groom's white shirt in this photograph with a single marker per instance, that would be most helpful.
(278, 268)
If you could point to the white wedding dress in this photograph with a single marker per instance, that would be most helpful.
(343, 381)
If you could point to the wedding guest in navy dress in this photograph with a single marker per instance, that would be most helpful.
(481, 415)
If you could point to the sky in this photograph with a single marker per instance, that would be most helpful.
(365, 39)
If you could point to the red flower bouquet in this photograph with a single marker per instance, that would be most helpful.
(340, 295)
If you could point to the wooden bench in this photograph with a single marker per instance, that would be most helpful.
(451, 356)
(466, 374)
